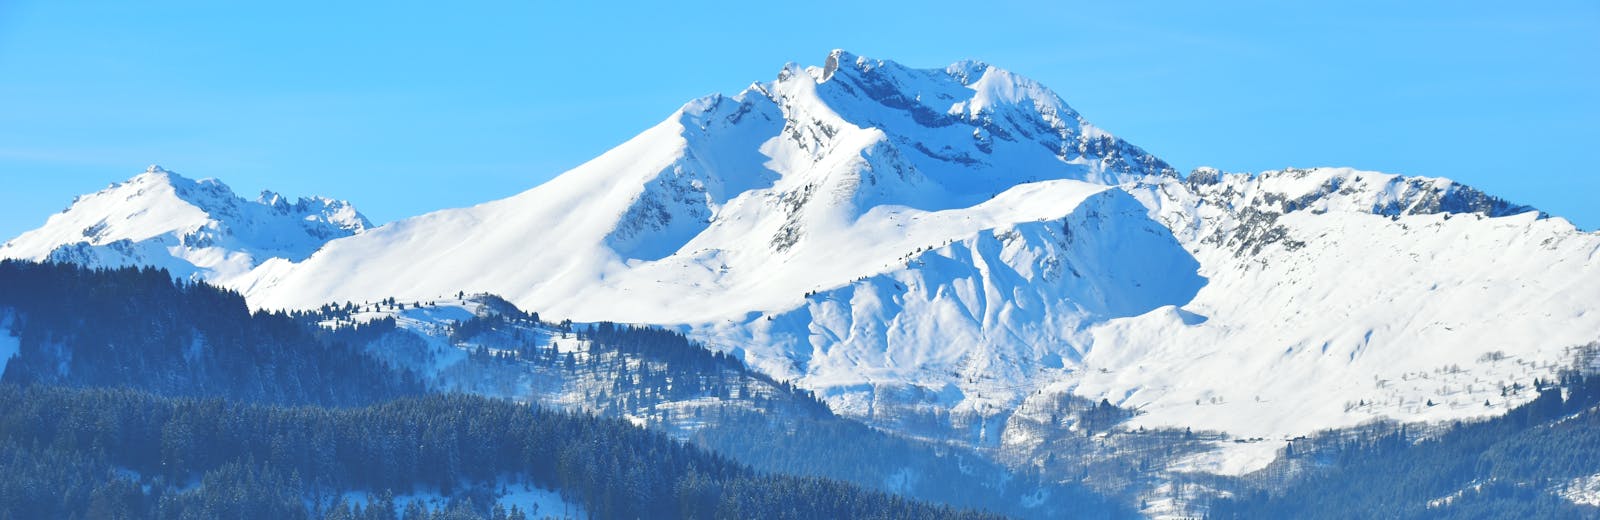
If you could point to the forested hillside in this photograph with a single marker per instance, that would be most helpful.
(127, 454)
(661, 379)
(130, 395)
(1519, 465)
(137, 327)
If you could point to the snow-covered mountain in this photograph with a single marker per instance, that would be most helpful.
(948, 252)
(744, 203)
(1336, 297)
(850, 226)
(195, 229)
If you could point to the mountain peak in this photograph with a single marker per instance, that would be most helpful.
(967, 113)
(192, 228)
(194, 191)
(153, 174)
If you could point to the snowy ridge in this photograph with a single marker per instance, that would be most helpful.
(1238, 209)
(1393, 312)
(711, 200)
(196, 229)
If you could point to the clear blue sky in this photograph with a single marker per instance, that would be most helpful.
(407, 107)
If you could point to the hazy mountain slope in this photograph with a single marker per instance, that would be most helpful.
(195, 229)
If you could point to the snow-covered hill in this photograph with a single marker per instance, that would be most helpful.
(195, 229)
(934, 250)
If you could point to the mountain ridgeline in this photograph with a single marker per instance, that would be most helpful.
(954, 274)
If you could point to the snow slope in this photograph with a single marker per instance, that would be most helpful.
(1395, 291)
(195, 229)
(1584, 491)
(936, 249)
(971, 325)
(1337, 297)
(744, 203)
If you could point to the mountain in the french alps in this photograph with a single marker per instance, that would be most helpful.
(956, 255)
(195, 229)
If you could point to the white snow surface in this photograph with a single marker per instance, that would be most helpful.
(534, 501)
(959, 239)
(1583, 491)
(195, 229)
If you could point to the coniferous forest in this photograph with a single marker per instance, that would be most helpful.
(1497, 468)
(138, 328)
(101, 453)
(714, 400)
(135, 396)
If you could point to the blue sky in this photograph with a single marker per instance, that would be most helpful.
(406, 107)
